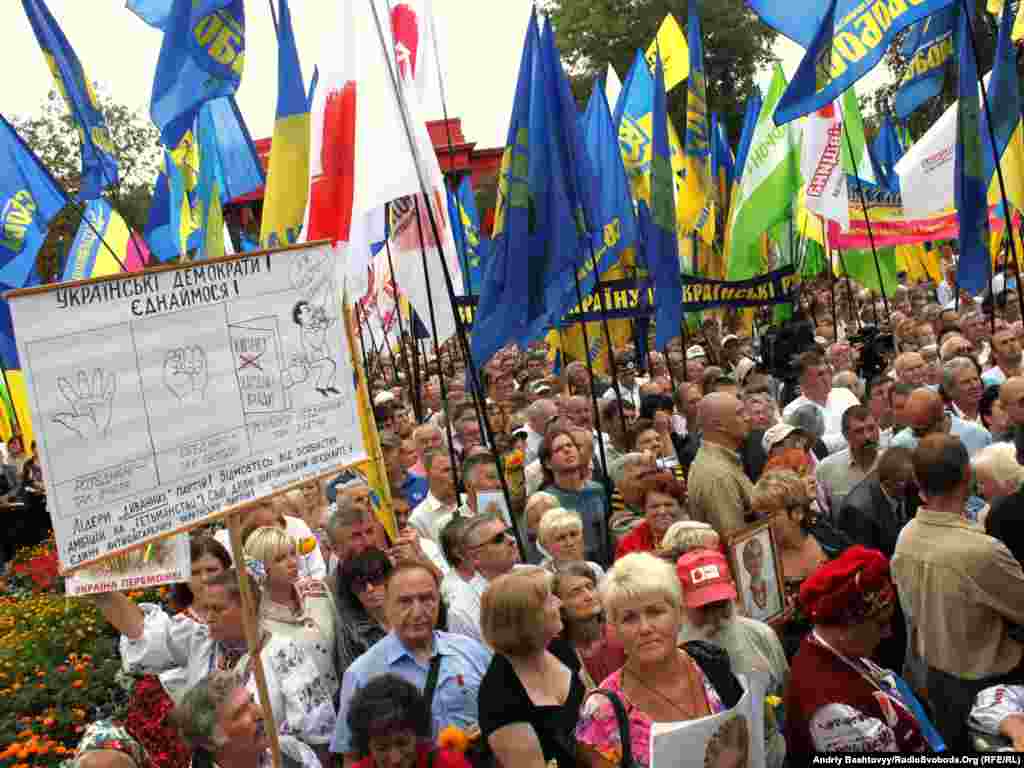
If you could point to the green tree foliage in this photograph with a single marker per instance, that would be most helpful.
(53, 136)
(593, 33)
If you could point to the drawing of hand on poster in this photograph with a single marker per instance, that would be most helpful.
(90, 401)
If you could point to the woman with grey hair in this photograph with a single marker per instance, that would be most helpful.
(223, 724)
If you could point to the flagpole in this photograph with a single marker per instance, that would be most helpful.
(273, 15)
(997, 161)
(832, 282)
(849, 291)
(867, 223)
(362, 348)
(10, 396)
(84, 219)
(449, 283)
(417, 407)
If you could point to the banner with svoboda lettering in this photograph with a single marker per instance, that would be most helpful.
(162, 398)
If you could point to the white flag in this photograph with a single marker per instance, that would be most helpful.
(822, 168)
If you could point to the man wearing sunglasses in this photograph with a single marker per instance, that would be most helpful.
(488, 542)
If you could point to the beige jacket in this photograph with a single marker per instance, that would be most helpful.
(960, 588)
(718, 490)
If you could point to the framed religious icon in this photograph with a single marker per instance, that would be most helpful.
(754, 558)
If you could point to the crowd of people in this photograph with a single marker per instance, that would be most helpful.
(606, 594)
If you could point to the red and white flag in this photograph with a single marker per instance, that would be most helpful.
(822, 168)
(369, 148)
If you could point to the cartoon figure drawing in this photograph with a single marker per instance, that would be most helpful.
(753, 562)
(315, 358)
(91, 401)
(186, 374)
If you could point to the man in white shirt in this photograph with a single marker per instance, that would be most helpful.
(487, 542)
(1006, 351)
(441, 500)
(816, 386)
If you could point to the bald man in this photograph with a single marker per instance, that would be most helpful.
(911, 369)
(1011, 397)
(924, 414)
(718, 489)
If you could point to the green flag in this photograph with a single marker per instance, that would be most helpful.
(858, 162)
(860, 265)
(771, 180)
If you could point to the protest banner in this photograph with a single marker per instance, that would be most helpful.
(166, 561)
(166, 398)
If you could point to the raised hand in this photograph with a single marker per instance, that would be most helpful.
(91, 400)
(186, 374)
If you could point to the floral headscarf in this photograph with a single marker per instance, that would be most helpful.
(106, 734)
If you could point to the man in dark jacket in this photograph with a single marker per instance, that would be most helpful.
(875, 511)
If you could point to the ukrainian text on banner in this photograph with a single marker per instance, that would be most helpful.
(623, 298)
(161, 399)
(890, 225)
(167, 561)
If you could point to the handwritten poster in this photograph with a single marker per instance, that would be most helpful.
(161, 398)
(166, 561)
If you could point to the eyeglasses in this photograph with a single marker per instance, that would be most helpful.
(499, 538)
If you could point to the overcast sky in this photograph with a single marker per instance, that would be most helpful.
(481, 41)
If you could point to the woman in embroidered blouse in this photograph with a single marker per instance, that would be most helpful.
(224, 726)
(660, 682)
(360, 601)
(299, 609)
(837, 700)
(152, 641)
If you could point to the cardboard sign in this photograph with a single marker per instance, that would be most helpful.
(161, 398)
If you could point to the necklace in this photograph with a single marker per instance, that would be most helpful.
(695, 707)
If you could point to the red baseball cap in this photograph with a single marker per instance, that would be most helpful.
(706, 578)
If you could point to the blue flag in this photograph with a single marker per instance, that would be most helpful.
(164, 226)
(844, 39)
(201, 59)
(747, 134)
(887, 151)
(466, 231)
(614, 224)
(99, 166)
(1005, 105)
(236, 156)
(153, 12)
(975, 266)
(511, 295)
(29, 199)
(660, 240)
(928, 46)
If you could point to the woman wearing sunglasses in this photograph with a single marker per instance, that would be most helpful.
(360, 601)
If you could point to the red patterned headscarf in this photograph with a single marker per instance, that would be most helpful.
(853, 587)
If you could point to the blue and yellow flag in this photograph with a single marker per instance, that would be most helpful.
(466, 231)
(750, 116)
(99, 165)
(104, 245)
(927, 47)
(660, 241)
(209, 191)
(237, 159)
(1005, 106)
(170, 214)
(974, 269)
(201, 58)
(843, 40)
(284, 204)
(29, 199)
(511, 295)
(696, 194)
(887, 152)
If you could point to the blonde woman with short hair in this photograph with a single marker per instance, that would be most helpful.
(561, 534)
(530, 697)
(686, 535)
(998, 475)
(299, 609)
(660, 681)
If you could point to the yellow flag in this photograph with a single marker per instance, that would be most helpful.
(373, 467)
(995, 7)
(675, 53)
(919, 263)
(19, 399)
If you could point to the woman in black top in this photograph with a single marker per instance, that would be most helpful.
(531, 695)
